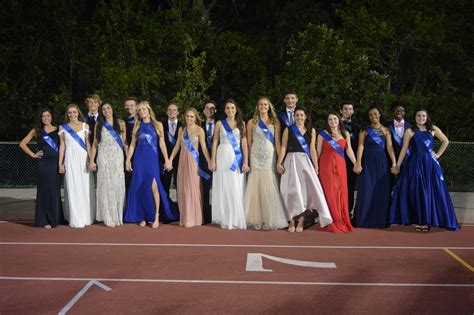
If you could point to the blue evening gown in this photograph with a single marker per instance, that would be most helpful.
(373, 186)
(421, 196)
(146, 167)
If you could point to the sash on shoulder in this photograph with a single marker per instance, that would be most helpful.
(266, 131)
(333, 143)
(114, 134)
(301, 140)
(49, 140)
(171, 139)
(398, 138)
(237, 163)
(284, 117)
(194, 153)
(376, 137)
(75, 136)
(427, 143)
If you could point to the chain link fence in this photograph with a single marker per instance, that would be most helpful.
(17, 170)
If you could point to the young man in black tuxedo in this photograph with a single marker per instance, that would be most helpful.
(92, 103)
(208, 125)
(171, 125)
(287, 115)
(397, 127)
(347, 110)
(130, 105)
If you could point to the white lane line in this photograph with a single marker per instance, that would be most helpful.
(79, 295)
(233, 245)
(250, 282)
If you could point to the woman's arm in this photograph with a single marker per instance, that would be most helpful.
(62, 149)
(360, 152)
(312, 149)
(281, 156)
(245, 151)
(178, 144)
(93, 150)
(202, 143)
(406, 142)
(26, 149)
(444, 141)
(349, 151)
(277, 136)
(391, 153)
(167, 165)
(215, 142)
(319, 145)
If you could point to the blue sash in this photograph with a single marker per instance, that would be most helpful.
(266, 131)
(237, 163)
(427, 143)
(284, 117)
(74, 135)
(398, 138)
(333, 143)
(378, 139)
(149, 139)
(209, 135)
(114, 134)
(195, 154)
(49, 140)
(301, 140)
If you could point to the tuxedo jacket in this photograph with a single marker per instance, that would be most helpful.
(283, 118)
(354, 128)
(202, 159)
(91, 121)
(129, 124)
(169, 145)
(397, 142)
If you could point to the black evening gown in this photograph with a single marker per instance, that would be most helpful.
(49, 208)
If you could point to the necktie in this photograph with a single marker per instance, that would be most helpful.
(291, 117)
(173, 128)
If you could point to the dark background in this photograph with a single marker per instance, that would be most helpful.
(57, 52)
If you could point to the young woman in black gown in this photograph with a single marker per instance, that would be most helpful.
(49, 212)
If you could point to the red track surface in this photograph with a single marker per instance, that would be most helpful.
(389, 271)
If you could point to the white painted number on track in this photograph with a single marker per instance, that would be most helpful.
(81, 293)
(255, 263)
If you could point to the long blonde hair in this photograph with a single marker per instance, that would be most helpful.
(80, 117)
(271, 111)
(196, 114)
(139, 119)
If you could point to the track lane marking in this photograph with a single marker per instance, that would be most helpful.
(459, 259)
(201, 281)
(232, 245)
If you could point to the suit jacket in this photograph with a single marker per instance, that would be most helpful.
(397, 147)
(91, 121)
(283, 118)
(354, 128)
(129, 123)
(169, 144)
(209, 137)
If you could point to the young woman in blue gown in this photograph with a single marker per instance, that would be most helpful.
(147, 198)
(373, 187)
(421, 196)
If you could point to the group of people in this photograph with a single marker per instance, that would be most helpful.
(195, 171)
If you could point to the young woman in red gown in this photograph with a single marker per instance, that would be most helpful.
(332, 142)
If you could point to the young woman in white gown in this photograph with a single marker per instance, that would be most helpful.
(229, 163)
(79, 194)
(300, 187)
(108, 144)
(263, 204)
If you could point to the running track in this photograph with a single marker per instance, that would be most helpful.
(203, 270)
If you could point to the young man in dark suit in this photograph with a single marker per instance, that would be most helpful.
(347, 110)
(171, 125)
(287, 115)
(397, 127)
(208, 125)
(130, 106)
(92, 102)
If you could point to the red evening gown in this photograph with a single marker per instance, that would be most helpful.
(333, 176)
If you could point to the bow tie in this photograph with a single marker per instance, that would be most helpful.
(399, 124)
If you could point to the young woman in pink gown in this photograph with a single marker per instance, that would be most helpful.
(190, 137)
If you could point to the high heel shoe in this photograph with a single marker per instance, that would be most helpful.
(143, 223)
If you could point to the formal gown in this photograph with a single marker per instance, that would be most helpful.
(421, 196)
(263, 204)
(189, 187)
(228, 186)
(333, 175)
(373, 187)
(299, 186)
(110, 180)
(79, 191)
(49, 210)
(146, 169)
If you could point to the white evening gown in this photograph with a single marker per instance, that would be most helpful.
(79, 194)
(228, 186)
(263, 204)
